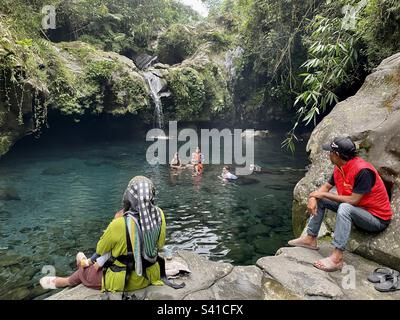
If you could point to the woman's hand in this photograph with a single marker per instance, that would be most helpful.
(119, 214)
(96, 266)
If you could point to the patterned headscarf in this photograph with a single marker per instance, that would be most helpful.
(140, 195)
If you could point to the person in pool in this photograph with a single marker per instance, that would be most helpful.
(176, 162)
(197, 162)
(227, 175)
(361, 200)
(145, 223)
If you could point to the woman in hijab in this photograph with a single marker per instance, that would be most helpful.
(145, 224)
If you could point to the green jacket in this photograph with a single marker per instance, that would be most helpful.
(114, 240)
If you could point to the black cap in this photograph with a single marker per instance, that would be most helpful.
(342, 145)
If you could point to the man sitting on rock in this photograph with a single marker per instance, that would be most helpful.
(362, 199)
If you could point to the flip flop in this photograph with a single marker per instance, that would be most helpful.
(328, 265)
(392, 283)
(298, 243)
(380, 274)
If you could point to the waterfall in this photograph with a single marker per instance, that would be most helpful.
(230, 58)
(155, 85)
(144, 61)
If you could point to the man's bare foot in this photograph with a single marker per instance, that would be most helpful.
(307, 241)
(329, 264)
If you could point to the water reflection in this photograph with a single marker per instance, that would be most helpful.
(57, 198)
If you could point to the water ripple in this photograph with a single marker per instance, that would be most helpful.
(69, 194)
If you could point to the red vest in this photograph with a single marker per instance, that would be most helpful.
(377, 201)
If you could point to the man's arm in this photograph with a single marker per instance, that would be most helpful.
(326, 187)
(363, 184)
(353, 199)
(312, 200)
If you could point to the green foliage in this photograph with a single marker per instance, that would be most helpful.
(297, 52)
(19, 72)
(103, 84)
(179, 41)
(188, 91)
(332, 54)
(216, 37)
(379, 28)
(100, 71)
(64, 89)
(332, 58)
(271, 33)
(5, 143)
(199, 90)
(231, 14)
(3, 118)
(176, 44)
(121, 26)
(336, 55)
(130, 94)
(217, 97)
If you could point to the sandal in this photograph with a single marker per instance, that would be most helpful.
(380, 274)
(328, 265)
(392, 283)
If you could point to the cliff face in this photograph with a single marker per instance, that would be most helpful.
(76, 79)
(371, 118)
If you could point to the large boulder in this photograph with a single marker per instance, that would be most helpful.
(289, 275)
(292, 269)
(371, 118)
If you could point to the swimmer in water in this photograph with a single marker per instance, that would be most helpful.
(176, 162)
(227, 175)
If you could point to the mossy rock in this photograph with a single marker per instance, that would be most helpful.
(176, 44)
(5, 144)
(3, 118)
(187, 87)
(18, 293)
(85, 80)
(9, 260)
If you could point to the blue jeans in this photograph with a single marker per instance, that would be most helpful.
(346, 214)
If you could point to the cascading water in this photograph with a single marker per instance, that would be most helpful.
(156, 85)
(230, 58)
